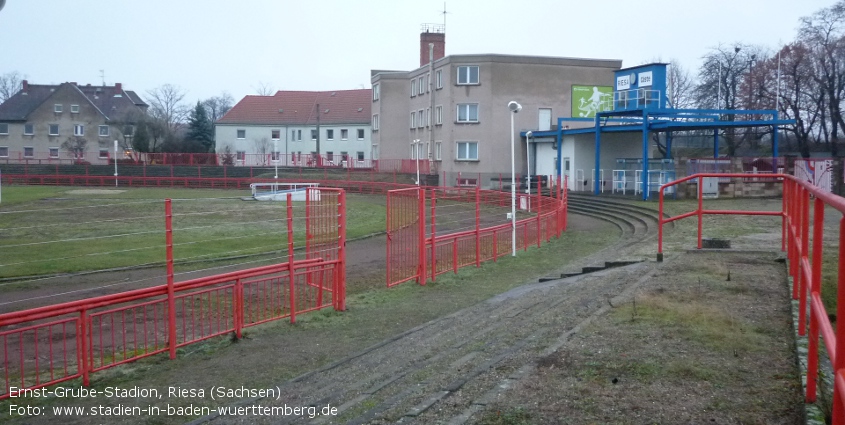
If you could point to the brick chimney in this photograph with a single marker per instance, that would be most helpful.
(434, 34)
(118, 87)
(24, 86)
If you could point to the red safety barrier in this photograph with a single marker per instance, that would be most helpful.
(805, 268)
(55, 343)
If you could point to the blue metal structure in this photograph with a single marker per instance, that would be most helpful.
(640, 104)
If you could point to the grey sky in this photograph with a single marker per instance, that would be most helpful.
(209, 46)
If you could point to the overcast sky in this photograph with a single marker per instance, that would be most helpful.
(206, 47)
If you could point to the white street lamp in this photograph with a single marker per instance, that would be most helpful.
(528, 136)
(514, 107)
(276, 155)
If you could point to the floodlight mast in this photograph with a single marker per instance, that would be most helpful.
(514, 107)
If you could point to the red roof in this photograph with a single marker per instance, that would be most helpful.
(300, 108)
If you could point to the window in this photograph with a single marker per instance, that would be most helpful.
(74, 109)
(344, 134)
(28, 152)
(428, 117)
(275, 134)
(330, 156)
(413, 149)
(437, 150)
(374, 151)
(360, 155)
(329, 134)
(293, 135)
(54, 129)
(413, 119)
(314, 134)
(468, 112)
(413, 88)
(422, 85)
(240, 155)
(104, 153)
(361, 133)
(344, 156)
(104, 131)
(375, 92)
(78, 130)
(375, 122)
(421, 119)
(54, 152)
(438, 115)
(4, 128)
(128, 131)
(4, 151)
(274, 156)
(438, 78)
(57, 108)
(468, 75)
(467, 151)
(299, 135)
(28, 130)
(241, 134)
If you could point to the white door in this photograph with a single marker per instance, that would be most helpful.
(545, 122)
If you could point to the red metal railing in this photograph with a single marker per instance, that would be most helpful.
(805, 267)
(416, 251)
(55, 343)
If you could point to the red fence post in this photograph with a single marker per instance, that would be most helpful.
(539, 210)
(805, 254)
(815, 289)
(290, 259)
(433, 235)
(700, 210)
(340, 291)
(238, 308)
(839, 360)
(171, 299)
(421, 249)
(82, 347)
(477, 226)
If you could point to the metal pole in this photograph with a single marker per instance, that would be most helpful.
(528, 163)
(276, 154)
(513, 195)
(115, 163)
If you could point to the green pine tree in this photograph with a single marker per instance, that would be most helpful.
(200, 128)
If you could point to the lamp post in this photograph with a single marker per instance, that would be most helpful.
(514, 107)
(528, 136)
(276, 155)
(115, 163)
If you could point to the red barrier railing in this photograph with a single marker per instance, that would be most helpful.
(805, 267)
(55, 343)
(415, 249)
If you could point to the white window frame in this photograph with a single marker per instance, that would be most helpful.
(51, 150)
(6, 131)
(422, 85)
(31, 152)
(4, 151)
(375, 122)
(469, 108)
(421, 120)
(413, 149)
(31, 129)
(466, 144)
(438, 150)
(278, 134)
(50, 129)
(344, 134)
(329, 134)
(100, 131)
(413, 88)
(57, 108)
(78, 130)
(74, 109)
(298, 135)
(361, 134)
(104, 153)
(464, 77)
(428, 117)
(359, 156)
(240, 156)
(438, 78)
(376, 91)
(274, 156)
(413, 119)
(240, 134)
(313, 134)
(438, 115)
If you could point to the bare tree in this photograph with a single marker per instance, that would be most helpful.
(824, 34)
(10, 83)
(681, 95)
(75, 147)
(166, 106)
(262, 147)
(217, 106)
(264, 89)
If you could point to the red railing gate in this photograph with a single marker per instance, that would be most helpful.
(405, 249)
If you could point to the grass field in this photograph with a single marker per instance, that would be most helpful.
(48, 230)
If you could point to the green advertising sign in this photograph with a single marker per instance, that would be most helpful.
(587, 100)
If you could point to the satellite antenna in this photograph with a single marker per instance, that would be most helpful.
(442, 13)
(2, 3)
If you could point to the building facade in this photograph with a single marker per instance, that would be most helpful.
(68, 123)
(298, 128)
(454, 112)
